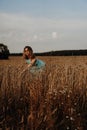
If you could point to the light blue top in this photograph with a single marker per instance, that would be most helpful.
(38, 63)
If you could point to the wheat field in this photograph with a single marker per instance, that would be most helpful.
(54, 99)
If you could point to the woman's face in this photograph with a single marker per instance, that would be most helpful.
(27, 52)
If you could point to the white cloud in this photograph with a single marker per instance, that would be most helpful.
(35, 37)
(19, 29)
(54, 35)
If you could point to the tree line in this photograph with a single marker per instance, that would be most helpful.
(58, 53)
(5, 53)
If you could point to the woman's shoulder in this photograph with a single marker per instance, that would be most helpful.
(39, 62)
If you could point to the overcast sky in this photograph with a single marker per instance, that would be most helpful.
(45, 25)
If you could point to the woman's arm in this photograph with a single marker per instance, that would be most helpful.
(29, 65)
(32, 63)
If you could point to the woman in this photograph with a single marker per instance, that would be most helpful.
(34, 64)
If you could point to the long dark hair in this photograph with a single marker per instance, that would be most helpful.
(31, 51)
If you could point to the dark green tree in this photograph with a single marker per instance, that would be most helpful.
(4, 51)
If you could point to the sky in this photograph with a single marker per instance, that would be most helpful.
(45, 25)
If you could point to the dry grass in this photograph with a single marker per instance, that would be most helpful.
(55, 99)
